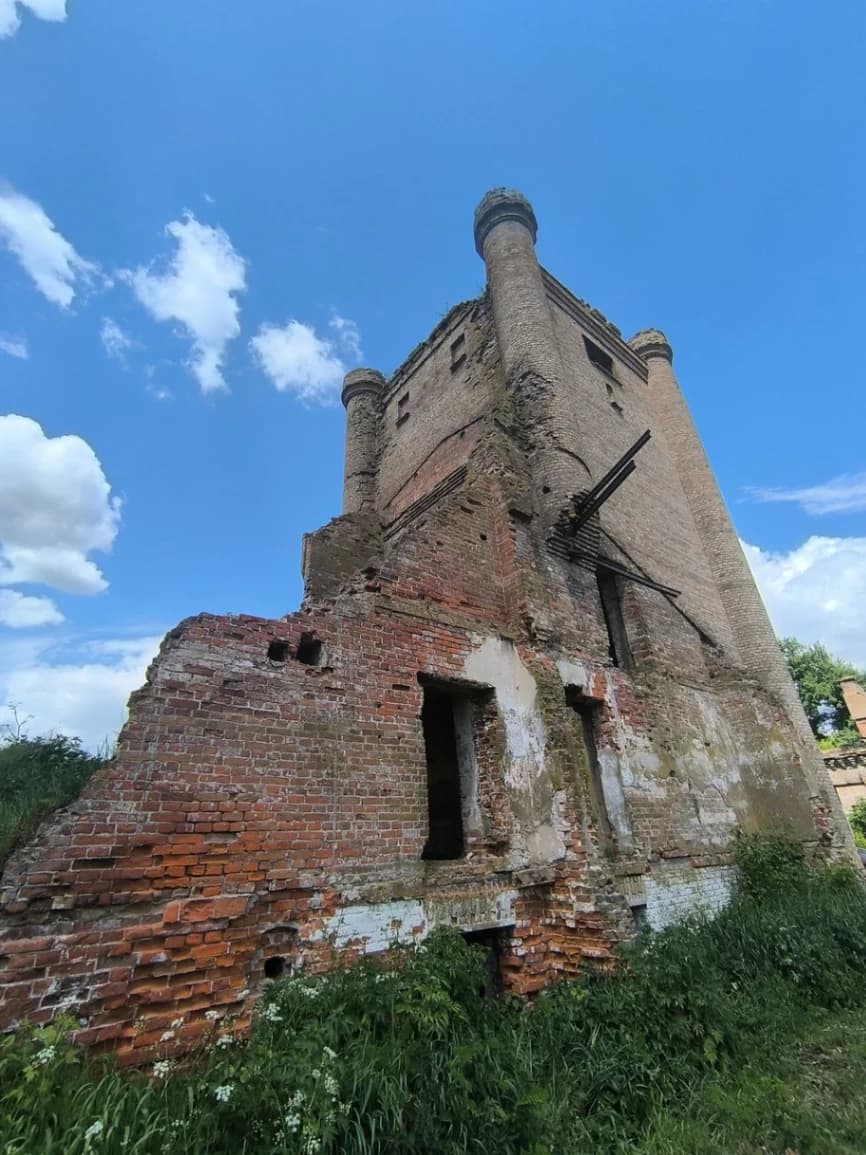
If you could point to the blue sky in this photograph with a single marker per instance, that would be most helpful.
(210, 210)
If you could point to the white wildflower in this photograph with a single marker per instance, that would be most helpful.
(45, 1055)
(271, 1013)
(293, 1122)
(224, 1093)
(312, 1144)
(331, 1085)
(317, 1074)
(95, 1128)
(177, 1024)
(331, 1054)
(225, 1041)
(166, 1036)
(162, 1068)
(297, 1099)
(211, 1016)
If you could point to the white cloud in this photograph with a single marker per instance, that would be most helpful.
(817, 592)
(80, 692)
(197, 290)
(115, 341)
(44, 253)
(348, 336)
(55, 507)
(21, 611)
(15, 347)
(845, 494)
(45, 9)
(299, 361)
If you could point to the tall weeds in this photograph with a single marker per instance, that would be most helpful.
(410, 1058)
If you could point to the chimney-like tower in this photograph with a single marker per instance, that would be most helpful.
(362, 397)
(505, 231)
(757, 648)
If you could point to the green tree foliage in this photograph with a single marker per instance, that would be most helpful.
(38, 775)
(857, 818)
(817, 674)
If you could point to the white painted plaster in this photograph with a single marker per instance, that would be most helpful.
(495, 662)
(379, 925)
(674, 891)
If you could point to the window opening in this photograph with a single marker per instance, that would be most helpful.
(598, 357)
(309, 650)
(490, 941)
(274, 966)
(610, 593)
(458, 352)
(444, 800)
(587, 712)
(278, 651)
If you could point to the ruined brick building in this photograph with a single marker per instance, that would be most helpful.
(531, 692)
(847, 767)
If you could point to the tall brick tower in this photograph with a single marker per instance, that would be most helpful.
(531, 693)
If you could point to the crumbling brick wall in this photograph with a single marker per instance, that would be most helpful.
(271, 804)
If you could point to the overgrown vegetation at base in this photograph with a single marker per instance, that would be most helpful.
(411, 1058)
(38, 775)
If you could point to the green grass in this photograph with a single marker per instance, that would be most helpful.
(744, 1034)
(38, 775)
(807, 1097)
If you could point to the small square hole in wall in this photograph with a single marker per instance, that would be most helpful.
(278, 651)
(638, 913)
(458, 352)
(309, 650)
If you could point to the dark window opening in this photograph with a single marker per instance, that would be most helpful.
(278, 651)
(444, 800)
(274, 966)
(638, 913)
(458, 352)
(587, 712)
(610, 593)
(490, 941)
(309, 650)
(598, 357)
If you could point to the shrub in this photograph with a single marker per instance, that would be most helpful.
(38, 775)
(857, 818)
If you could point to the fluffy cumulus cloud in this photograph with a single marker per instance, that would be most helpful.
(845, 494)
(198, 290)
(19, 611)
(115, 341)
(299, 361)
(55, 508)
(14, 347)
(10, 17)
(817, 592)
(46, 255)
(78, 690)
